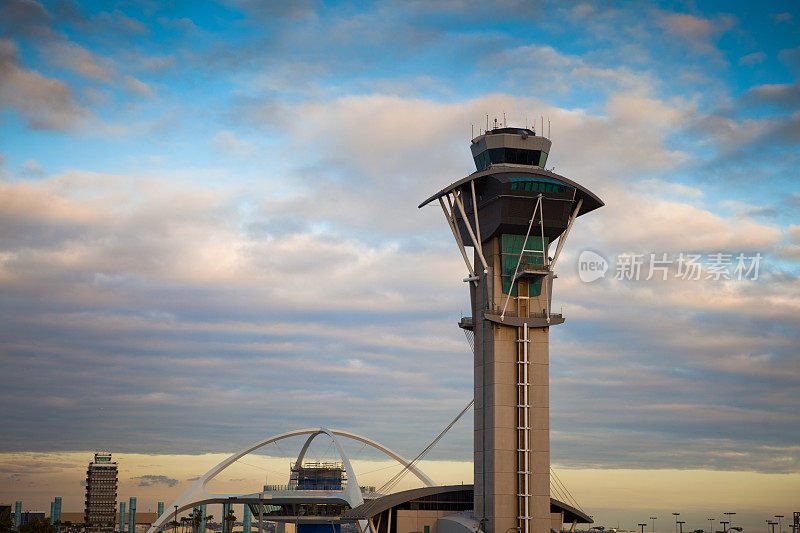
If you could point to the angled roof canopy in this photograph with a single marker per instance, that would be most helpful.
(590, 200)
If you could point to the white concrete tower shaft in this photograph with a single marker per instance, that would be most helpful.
(512, 440)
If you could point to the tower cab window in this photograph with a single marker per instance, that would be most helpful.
(514, 156)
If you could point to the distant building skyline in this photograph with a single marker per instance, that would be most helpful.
(764, 495)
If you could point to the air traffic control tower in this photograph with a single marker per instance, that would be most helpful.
(511, 211)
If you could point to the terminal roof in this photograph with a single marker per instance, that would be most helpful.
(374, 507)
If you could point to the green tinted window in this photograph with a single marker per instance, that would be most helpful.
(511, 248)
(537, 186)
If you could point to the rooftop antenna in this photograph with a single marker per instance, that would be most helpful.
(504, 119)
(473, 130)
(542, 116)
(487, 122)
(548, 127)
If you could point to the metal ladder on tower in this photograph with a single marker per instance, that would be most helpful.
(523, 432)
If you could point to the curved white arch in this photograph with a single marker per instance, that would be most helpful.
(352, 490)
(304, 449)
(197, 494)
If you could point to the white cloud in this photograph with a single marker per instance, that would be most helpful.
(32, 169)
(45, 103)
(75, 57)
(524, 65)
(755, 58)
(229, 142)
(138, 87)
(781, 17)
(663, 188)
(698, 31)
(782, 94)
(632, 221)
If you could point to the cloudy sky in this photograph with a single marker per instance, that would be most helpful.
(209, 234)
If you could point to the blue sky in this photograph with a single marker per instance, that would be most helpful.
(209, 229)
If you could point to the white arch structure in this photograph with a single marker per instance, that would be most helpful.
(198, 494)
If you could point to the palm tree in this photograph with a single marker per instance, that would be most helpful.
(229, 520)
(6, 524)
(37, 525)
(197, 518)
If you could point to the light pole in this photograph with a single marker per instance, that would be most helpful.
(175, 521)
(681, 522)
(772, 523)
(642, 526)
(780, 522)
(730, 517)
(676, 515)
(724, 525)
(654, 518)
(712, 525)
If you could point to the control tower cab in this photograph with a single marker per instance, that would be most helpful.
(511, 211)
(516, 146)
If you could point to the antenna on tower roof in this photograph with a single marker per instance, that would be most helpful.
(548, 127)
